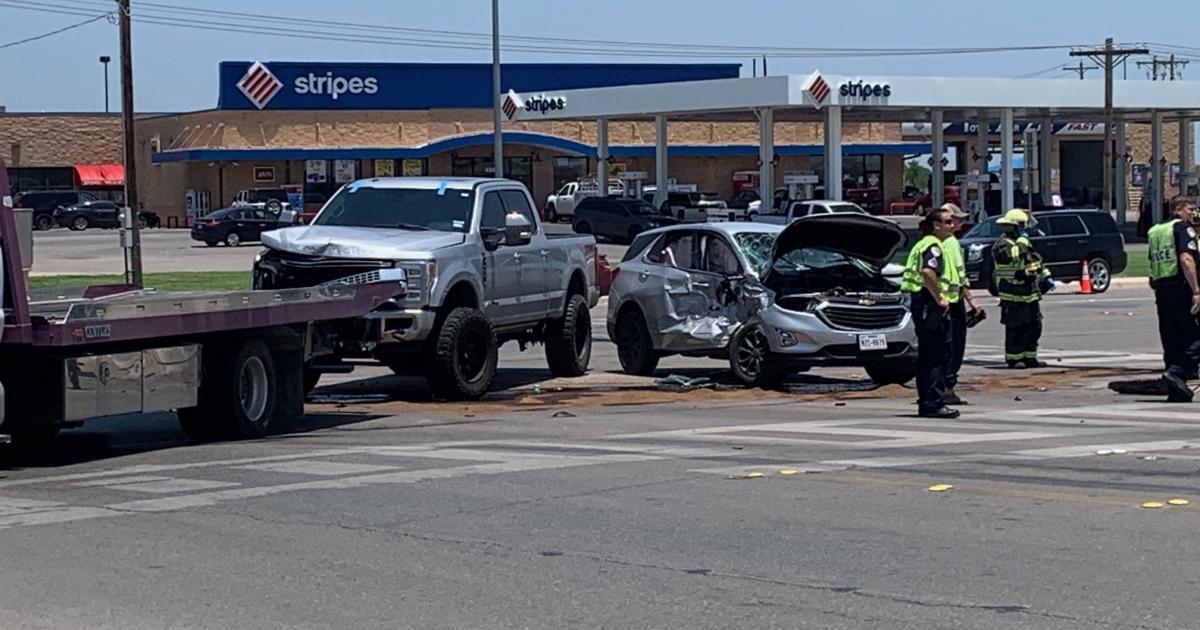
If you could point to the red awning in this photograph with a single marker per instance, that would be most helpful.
(100, 174)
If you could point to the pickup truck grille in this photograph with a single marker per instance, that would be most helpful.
(294, 270)
(862, 317)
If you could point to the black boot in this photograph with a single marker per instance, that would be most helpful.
(944, 413)
(1177, 388)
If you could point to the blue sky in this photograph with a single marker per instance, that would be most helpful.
(176, 68)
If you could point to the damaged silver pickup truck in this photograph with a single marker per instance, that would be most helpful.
(479, 269)
(771, 300)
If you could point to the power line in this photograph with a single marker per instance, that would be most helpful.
(1167, 65)
(54, 32)
(166, 15)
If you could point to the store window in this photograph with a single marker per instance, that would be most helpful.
(569, 169)
(862, 179)
(21, 179)
(516, 168)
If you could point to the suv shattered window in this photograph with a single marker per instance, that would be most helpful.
(756, 247)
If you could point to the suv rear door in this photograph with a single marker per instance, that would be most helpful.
(1064, 244)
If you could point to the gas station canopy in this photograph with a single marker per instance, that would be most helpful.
(832, 99)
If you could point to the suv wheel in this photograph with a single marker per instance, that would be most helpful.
(43, 222)
(750, 358)
(634, 348)
(1100, 274)
(569, 339)
(80, 224)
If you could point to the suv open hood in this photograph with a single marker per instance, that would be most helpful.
(862, 236)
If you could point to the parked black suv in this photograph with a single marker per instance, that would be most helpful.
(45, 202)
(1064, 238)
(618, 219)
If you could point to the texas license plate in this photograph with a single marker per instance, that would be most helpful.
(868, 343)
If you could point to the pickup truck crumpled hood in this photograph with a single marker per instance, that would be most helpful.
(353, 242)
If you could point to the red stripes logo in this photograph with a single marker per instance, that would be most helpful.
(259, 85)
(511, 105)
(817, 88)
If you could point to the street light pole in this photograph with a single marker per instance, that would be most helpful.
(497, 139)
(104, 59)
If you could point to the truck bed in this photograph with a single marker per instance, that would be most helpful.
(70, 317)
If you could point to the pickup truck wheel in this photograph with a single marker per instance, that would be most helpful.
(750, 358)
(551, 214)
(237, 394)
(891, 373)
(461, 356)
(635, 350)
(569, 339)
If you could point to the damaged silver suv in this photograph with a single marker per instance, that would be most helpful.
(771, 300)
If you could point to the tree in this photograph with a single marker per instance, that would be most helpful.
(916, 175)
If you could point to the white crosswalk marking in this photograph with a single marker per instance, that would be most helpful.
(317, 468)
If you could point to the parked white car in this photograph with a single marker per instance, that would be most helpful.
(562, 204)
(797, 209)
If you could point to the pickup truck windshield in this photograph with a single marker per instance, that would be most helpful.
(400, 208)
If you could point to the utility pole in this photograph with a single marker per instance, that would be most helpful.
(1081, 70)
(131, 196)
(498, 137)
(104, 59)
(1168, 66)
(1108, 57)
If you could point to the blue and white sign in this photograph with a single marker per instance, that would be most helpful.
(301, 85)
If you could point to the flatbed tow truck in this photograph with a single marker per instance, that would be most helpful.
(230, 364)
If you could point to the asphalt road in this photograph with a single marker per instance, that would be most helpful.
(603, 502)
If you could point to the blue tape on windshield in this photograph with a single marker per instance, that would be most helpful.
(441, 188)
(354, 185)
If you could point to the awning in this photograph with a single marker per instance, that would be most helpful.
(100, 174)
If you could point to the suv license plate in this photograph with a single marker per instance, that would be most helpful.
(868, 343)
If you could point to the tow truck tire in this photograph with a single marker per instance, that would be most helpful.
(461, 356)
(896, 373)
(237, 394)
(569, 339)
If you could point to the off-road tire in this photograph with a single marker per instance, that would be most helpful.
(569, 339)
(448, 370)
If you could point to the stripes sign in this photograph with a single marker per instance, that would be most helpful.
(259, 85)
(817, 88)
(511, 105)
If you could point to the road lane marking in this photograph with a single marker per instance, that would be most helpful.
(317, 468)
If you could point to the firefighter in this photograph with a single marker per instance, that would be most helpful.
(961, 302)
(1173, 254)
(925, 280)
(1018, 274)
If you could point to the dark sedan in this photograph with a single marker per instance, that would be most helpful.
(99, 214)
(1064, 238)
(234, 226)
(618, 219)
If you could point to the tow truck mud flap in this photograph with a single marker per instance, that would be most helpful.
(694, 319)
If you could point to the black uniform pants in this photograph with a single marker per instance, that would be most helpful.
(1177, 329)
(930, 320)
(956, 342)
(1022, 329)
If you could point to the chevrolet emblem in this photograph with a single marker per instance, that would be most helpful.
(866, 301)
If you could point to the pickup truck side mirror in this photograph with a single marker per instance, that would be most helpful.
(492, 237)
(517, 230)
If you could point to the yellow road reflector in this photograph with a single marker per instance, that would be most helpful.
(1153, 504)
(754, 475)
(940, 487)
(1179, 502)
(788, 472)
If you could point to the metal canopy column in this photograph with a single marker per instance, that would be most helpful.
(1185, 155)
(1121, 174)
(937, 184)
(833, 153)
(982, 157)
(766, 156)
(1156, 157)
(1045, 137)
(1006, 160)
(601, 155)
(660, 160)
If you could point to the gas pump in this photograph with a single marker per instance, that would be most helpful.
(977, 206)
(799, 181)
(633, 181)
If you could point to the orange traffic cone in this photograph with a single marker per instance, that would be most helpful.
(1085, 281)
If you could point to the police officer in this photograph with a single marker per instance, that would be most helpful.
(961, 301)
(1173, 255)
(925, 280)
(1018, 273)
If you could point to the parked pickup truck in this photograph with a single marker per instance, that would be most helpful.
(562, 204)
(479, 268)
(793, 210)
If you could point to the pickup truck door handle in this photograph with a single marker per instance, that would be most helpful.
(545, 252)
(517, 256)
(702, 285)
